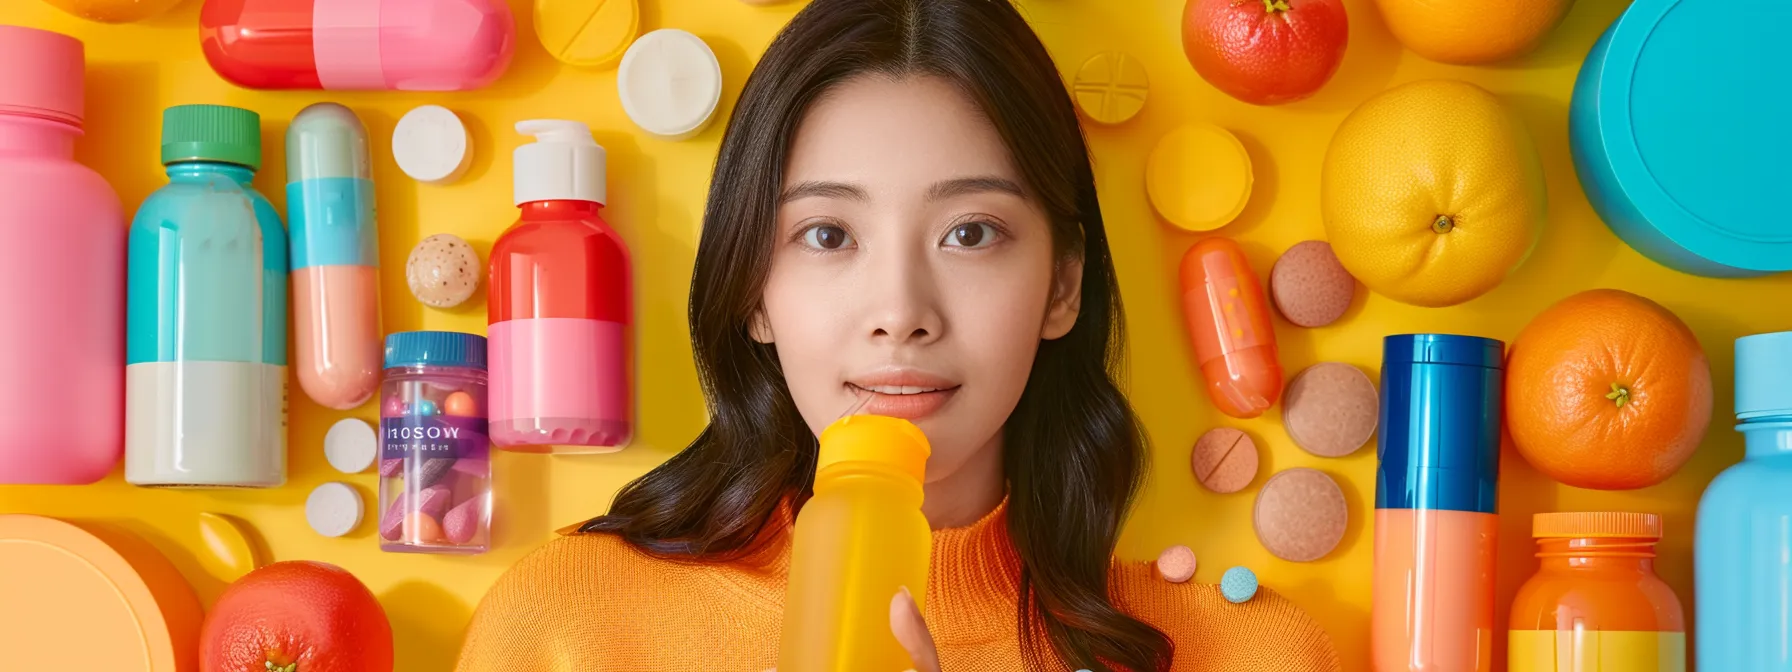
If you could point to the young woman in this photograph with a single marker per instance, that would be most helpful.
(903, 210)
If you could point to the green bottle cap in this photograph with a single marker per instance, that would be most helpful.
(211, 133)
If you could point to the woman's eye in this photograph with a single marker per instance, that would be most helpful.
(827, 237)
(972, 235)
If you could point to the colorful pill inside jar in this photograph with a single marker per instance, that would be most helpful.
(335, 256)
(435, 475)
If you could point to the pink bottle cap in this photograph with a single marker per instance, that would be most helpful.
(43, 76)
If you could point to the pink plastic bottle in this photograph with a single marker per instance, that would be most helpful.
(61, 274)
(561, 357)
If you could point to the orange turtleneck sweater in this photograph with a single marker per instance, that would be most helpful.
(594, 602)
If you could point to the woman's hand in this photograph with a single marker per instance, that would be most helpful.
(911, 631)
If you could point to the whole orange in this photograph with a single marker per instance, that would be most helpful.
(1472, 32)
(296, 617)
(1607, 390)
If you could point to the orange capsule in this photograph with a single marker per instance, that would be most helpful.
(1229, 321)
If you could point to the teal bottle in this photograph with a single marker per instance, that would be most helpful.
(205, 336)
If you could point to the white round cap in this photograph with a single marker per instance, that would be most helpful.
(563, 164)
(334, 509)
(351, 445)
(431, 145)
(670, 83)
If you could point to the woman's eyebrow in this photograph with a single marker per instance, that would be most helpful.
(821, 189)
(974, 185)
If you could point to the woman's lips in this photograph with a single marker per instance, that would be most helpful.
(905, 406)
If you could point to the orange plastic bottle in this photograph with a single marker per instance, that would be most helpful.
(1595, 602)
(858, 541)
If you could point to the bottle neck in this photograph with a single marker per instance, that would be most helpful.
(881, 477)
(1767, 438)
(1612, 554)
(30, 136)
(197, 170)
(561, 209)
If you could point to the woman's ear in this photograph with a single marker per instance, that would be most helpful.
(1067, 298)
(760, 328)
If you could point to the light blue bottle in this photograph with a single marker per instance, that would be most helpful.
(205, 335)
(1743, 548)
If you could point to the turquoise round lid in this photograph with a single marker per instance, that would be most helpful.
(1680, 135)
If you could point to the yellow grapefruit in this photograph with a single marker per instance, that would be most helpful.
(1432, 193)
(1472, 32)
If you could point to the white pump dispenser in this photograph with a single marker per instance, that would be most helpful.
(563, 164)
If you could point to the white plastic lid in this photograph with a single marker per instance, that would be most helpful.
(563, 164)
(670, 83)
(431, 145)
(351, 445)
(334, 509)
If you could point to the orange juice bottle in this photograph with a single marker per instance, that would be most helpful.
(858, 541)
(1595, 602)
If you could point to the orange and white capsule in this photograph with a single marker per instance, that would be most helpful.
(335, 257)
(1228, 318)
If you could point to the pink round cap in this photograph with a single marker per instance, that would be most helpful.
(43, 74)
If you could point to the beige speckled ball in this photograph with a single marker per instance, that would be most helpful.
(443, 271)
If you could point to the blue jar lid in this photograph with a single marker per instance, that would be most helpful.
(435, 348)
(1763, 364)
(1663, 152)
(1439, 439)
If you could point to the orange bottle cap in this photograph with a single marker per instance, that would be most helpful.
(875, 438)
(1596, 524)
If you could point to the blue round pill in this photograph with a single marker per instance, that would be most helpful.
(1239, 585)
(423, 407)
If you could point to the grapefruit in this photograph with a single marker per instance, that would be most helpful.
(1432, 193)
(296, 617)
(1607, 390)
(1472, 32)
(1265, 52)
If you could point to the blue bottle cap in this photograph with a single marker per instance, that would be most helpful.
(1439, 438)
(435, 348)
(1692, 193)
(1763, 363)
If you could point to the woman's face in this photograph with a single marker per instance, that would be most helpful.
(912, 269)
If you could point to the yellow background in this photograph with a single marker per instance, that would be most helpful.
(657, 190)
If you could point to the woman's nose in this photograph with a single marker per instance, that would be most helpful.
(904, 309)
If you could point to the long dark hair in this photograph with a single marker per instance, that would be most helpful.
(1074, 453)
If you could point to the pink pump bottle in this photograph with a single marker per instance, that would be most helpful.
(61, 274)
(561, 351)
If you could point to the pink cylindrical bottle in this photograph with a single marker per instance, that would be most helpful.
(61, 274)
(562, 365)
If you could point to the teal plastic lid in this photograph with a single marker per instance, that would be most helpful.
(1679, 134)
(211, 133)
(1763, 364)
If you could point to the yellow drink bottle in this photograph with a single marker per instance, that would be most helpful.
(858, 541)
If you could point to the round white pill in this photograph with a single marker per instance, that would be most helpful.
(334, 509)
(670, 83)
(432, 145)
(351, 445)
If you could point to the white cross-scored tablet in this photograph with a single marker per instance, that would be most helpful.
(351, 445)
(431, 145)
(334, 509)
(670, 83)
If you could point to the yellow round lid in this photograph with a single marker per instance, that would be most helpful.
(875, 438)
(1199, 177)
(587, 33)
(91, 598)
(1111, 87)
